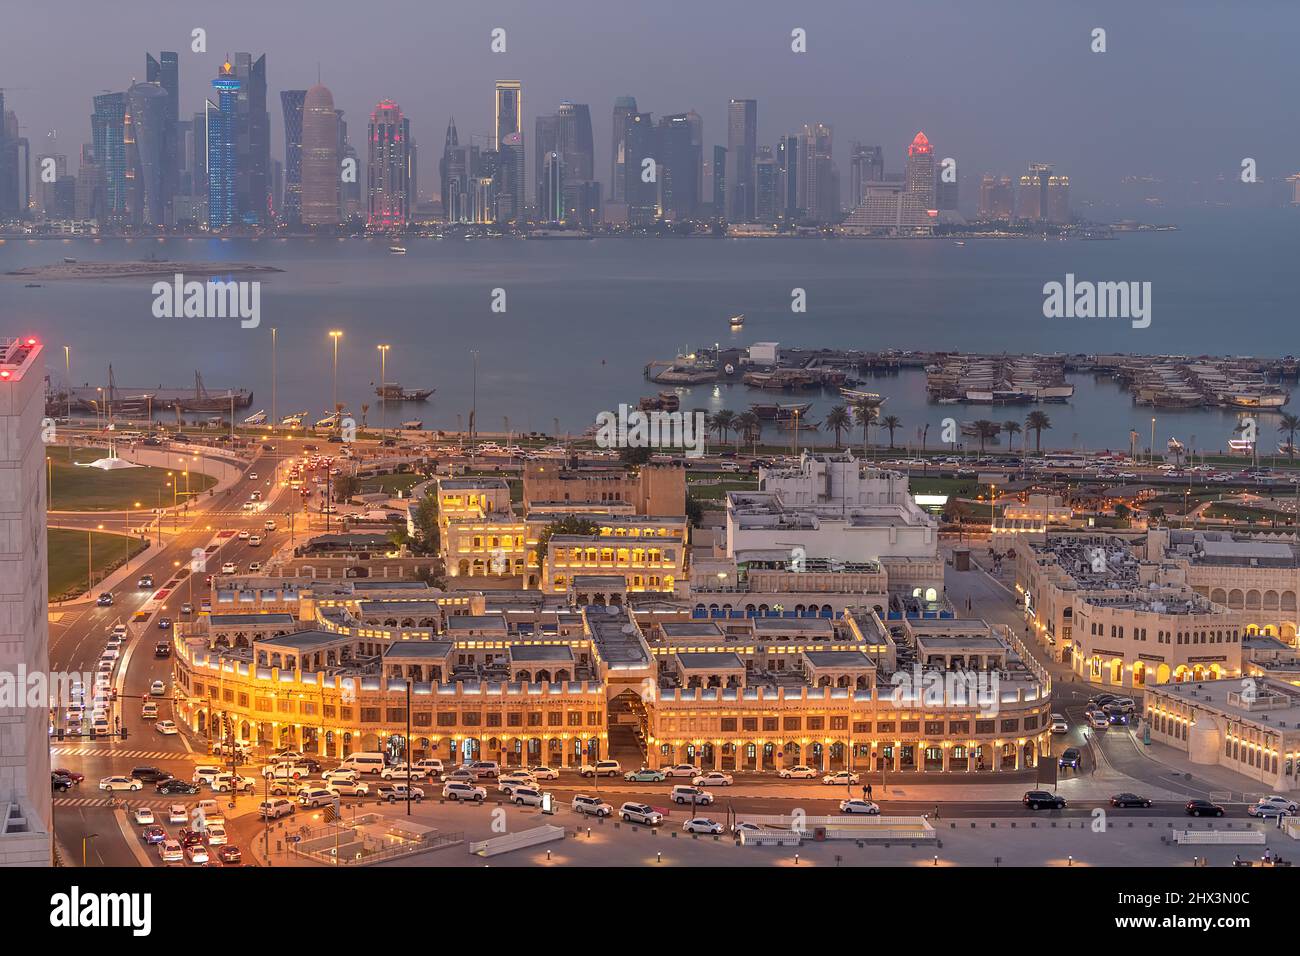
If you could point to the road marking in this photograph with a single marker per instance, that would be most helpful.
(108, 752)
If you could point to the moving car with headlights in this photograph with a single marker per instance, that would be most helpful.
(640, 813)
(1070, 757)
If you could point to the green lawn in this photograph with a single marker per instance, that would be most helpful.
(67, 558)
(717, 490)
(89, 489)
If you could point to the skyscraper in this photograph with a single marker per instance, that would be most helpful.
(1031, 203)
(291, 105)
(576, 144)
(107, 128)
(550, 191)
(742, 149)
(446, 170)
(638, 145)
(546, 140)
(147, 133)
(24, 631)
(510, 179)
(509, 110)
(997, 197)
(787, 158)
(866, 165)
(624, 107)
(165, 73)
(222, 123)
(388, 168)
(720, 181)
(320, 159)
(819, 181)
(769, 202)
(920, 170)
(679, 166)
(252, 136)
(1058, 199)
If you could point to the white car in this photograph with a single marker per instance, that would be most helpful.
(1059, 724)
(457, 790)
(508, 787)
(228, 567)
(143, 816)
(702, 825)
(601, 768)
(255, 566)
(120, 783)
(228, 781)
(178, 813)
(197, 854)
(401, 773)
(316, 797)
(157, 687)
(348, 788)
(206, 773)
(682, 794)
(243, 536)
(591, 806)
(714, 778)
(255, 541)
(682, 770)
(169, 851)
(859, 806)
(1273, 806)
(166, 727)
(797, 773)
(842, 777)
(339, 776)
(528, 796)
(640, 813)
(216, 834)
(1097, 720)
(544, 773)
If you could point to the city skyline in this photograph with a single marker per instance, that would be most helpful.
(980, 137)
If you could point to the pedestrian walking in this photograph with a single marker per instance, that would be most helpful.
(868, 791)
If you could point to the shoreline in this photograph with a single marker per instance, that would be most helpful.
(137, 270)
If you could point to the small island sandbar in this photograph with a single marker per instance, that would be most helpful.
(143, 269)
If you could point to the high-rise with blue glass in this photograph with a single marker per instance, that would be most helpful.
(223, 209)
(108, 132)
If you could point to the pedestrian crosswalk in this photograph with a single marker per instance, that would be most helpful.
(107, 802)
(113, 752)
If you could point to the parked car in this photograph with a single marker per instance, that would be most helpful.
(526, 796)
(1202, 808)
(702, 825)
(591, 806)
(1043, 800)
(1286, 803)
(796, 773)
(601, 768)
(841, 777)
(640, 813)
(714, 778)
(683, 770)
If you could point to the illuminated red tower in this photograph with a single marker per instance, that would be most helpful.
(920, 169)
(388, 174)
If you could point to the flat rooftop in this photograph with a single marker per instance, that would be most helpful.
(541, 653)
(418, 650)
(251, 620)
(709, 661)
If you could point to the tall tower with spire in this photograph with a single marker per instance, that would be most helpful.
(447, 167)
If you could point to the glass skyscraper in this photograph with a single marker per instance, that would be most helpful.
(291, 102)
(223, 207)
(107, 130)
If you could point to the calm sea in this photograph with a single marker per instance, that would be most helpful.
(583, 318)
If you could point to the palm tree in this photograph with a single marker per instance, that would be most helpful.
(364, 408)
(864, 415)
(1036, 422)
(891, 422)
(1289, 425)
(839, 419)
(723, 421)
(984, 430)
(748, 424)
(1012, 428)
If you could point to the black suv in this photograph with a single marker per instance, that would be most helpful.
(150, 774)
(1070, 757)
(105, 599)
(59, 783)
(1043, 800)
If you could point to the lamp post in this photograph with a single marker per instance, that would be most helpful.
(274, 341)
(336, 335)
(383, 382)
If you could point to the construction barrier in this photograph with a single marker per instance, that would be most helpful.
(1221, 837)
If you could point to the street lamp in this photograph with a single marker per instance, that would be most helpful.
(383, 382)
(336, 335)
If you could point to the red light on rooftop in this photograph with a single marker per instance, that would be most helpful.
(5, 373)
(31, 341)
(920, 145)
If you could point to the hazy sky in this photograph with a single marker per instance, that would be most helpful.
(1186, 89)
